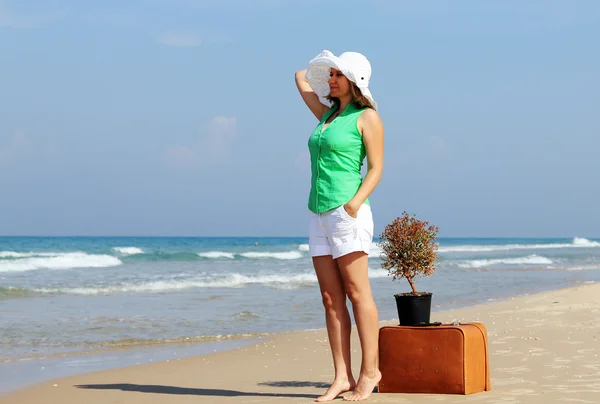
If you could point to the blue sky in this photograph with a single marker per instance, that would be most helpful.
(181, 117)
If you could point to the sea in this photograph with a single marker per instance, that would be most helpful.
(73, 295)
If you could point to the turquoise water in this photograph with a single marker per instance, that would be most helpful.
(81, 294)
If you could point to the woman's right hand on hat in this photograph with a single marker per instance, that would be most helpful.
(308, 95)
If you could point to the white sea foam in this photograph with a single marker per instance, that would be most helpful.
(378, 273)
(584, 242)
(128, 250)
(234, 280)
(14, 254)
(157, 286)
(529, 260)
(584, 267)
(238, 279)
(287, 255)
(375, 250)
(578, 242)
(283, 255)
(216, 254)
(58, 261)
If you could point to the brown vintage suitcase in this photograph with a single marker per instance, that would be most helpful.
(434, 359)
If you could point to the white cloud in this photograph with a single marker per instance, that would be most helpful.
(14, 19)
(302, 161)
(238, 4)
(221, 134)
(214, 146)
(439, 146)
(17, 146)
(20, 147)
(181, 156)
(302, 158)
(9, 20)
(185, 41)
(111, 17)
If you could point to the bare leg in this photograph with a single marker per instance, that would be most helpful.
(338, 323)
(354, 269)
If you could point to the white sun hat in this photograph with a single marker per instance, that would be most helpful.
(355, 66)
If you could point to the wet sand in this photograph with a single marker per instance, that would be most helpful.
(544, 348)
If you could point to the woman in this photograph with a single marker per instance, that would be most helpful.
(336, 90)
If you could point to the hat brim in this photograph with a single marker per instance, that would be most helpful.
(318, 74)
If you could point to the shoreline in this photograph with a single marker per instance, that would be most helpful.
(118, 357)
(142, 345)
(467, 313)
(40, 370)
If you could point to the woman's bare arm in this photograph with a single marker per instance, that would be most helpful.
(308, 95)
(372, 131)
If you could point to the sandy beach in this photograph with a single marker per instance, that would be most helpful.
(543, 349)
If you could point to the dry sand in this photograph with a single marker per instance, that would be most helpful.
(544, 348)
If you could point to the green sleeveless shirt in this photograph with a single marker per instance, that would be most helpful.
(336, 157)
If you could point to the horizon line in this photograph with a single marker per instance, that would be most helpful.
(264, 237)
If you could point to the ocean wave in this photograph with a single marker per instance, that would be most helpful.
(378, 273)
(201, 338)
(589, 267)
(12, 292)
(281, 255)
(375, 249)
(529, 260)
(93, 346)
(234, 280)
(287, 255)
(58, 261)
(216, 255)
(577, 242)
(129, 254)
(15, 254)
(128, 250)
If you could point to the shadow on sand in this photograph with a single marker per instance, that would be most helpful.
(290, 383)
(157, 389)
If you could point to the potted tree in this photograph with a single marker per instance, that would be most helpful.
(410, 250)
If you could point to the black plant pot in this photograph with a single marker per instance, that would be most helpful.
(413, 309)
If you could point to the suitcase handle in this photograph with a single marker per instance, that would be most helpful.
(437, 323)
(427, 324)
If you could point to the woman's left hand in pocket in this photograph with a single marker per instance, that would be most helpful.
(351, 210)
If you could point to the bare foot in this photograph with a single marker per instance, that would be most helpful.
(337, 387)
(364, 388)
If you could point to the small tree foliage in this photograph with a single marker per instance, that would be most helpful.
(409, 248)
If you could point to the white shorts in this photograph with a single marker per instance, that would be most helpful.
(336, 233)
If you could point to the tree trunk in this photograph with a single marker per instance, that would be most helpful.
(412, 285)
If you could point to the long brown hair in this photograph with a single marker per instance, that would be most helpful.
(357, 97)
